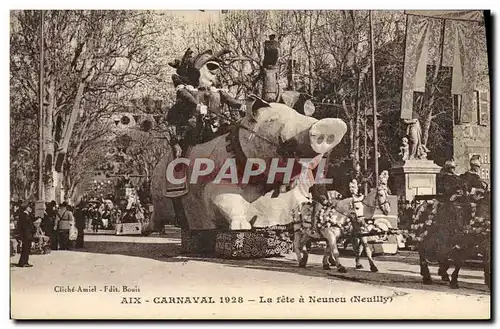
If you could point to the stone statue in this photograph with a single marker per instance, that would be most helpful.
(383, 192)
(384, 178)
(404, 149)
(414, 133)
(422, 152)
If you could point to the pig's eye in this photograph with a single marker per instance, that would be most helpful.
(212, 67)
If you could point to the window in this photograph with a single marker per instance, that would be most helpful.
(456, 104)
(477, 106)
(484, 108)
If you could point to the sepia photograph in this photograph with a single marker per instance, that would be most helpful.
(250, 164)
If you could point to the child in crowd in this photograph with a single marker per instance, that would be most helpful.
(39, 234)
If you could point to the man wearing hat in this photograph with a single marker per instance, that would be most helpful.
(25, 229)
(447, 181)
(48, 223)
(471, 177)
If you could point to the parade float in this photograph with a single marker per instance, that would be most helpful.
(131, 215)
(130, 222)
(236, 219)
(227, 198)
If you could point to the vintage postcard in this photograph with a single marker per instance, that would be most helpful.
(244, 164)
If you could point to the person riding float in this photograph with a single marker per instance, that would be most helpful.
(196, 116)
(473, 182)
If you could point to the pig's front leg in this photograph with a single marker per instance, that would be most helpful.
(235, 209)
(229, 202)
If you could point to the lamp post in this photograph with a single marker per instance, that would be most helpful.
(374, 94)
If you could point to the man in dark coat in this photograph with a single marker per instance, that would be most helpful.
(48, 223)
(447, 181)
(471, 177)
(80, 225)
(25, 229)
(319, 197)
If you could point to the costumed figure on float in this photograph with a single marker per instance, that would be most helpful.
(200, 112)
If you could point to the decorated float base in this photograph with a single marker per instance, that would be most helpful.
(236, 244)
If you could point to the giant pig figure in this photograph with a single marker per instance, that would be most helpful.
(269, 131)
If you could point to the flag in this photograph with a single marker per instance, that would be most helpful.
(415, 65)
(445, 37)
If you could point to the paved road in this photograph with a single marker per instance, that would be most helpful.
(155, 266)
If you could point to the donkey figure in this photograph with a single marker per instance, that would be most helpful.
(335, 218)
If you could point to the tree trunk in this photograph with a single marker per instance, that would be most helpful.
(49, 143)
(430, 107)
(427, 122)
(75, 110)
(351, 125)
(71, 191)
(56, 189)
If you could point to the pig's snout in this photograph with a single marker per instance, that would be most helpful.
(327, 133)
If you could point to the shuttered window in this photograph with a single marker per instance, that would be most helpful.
(484, 108)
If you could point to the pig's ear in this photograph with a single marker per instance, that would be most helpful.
(255, 104)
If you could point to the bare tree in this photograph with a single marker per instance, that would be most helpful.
(94, 59)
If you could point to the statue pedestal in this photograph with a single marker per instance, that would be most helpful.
(414, 177)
